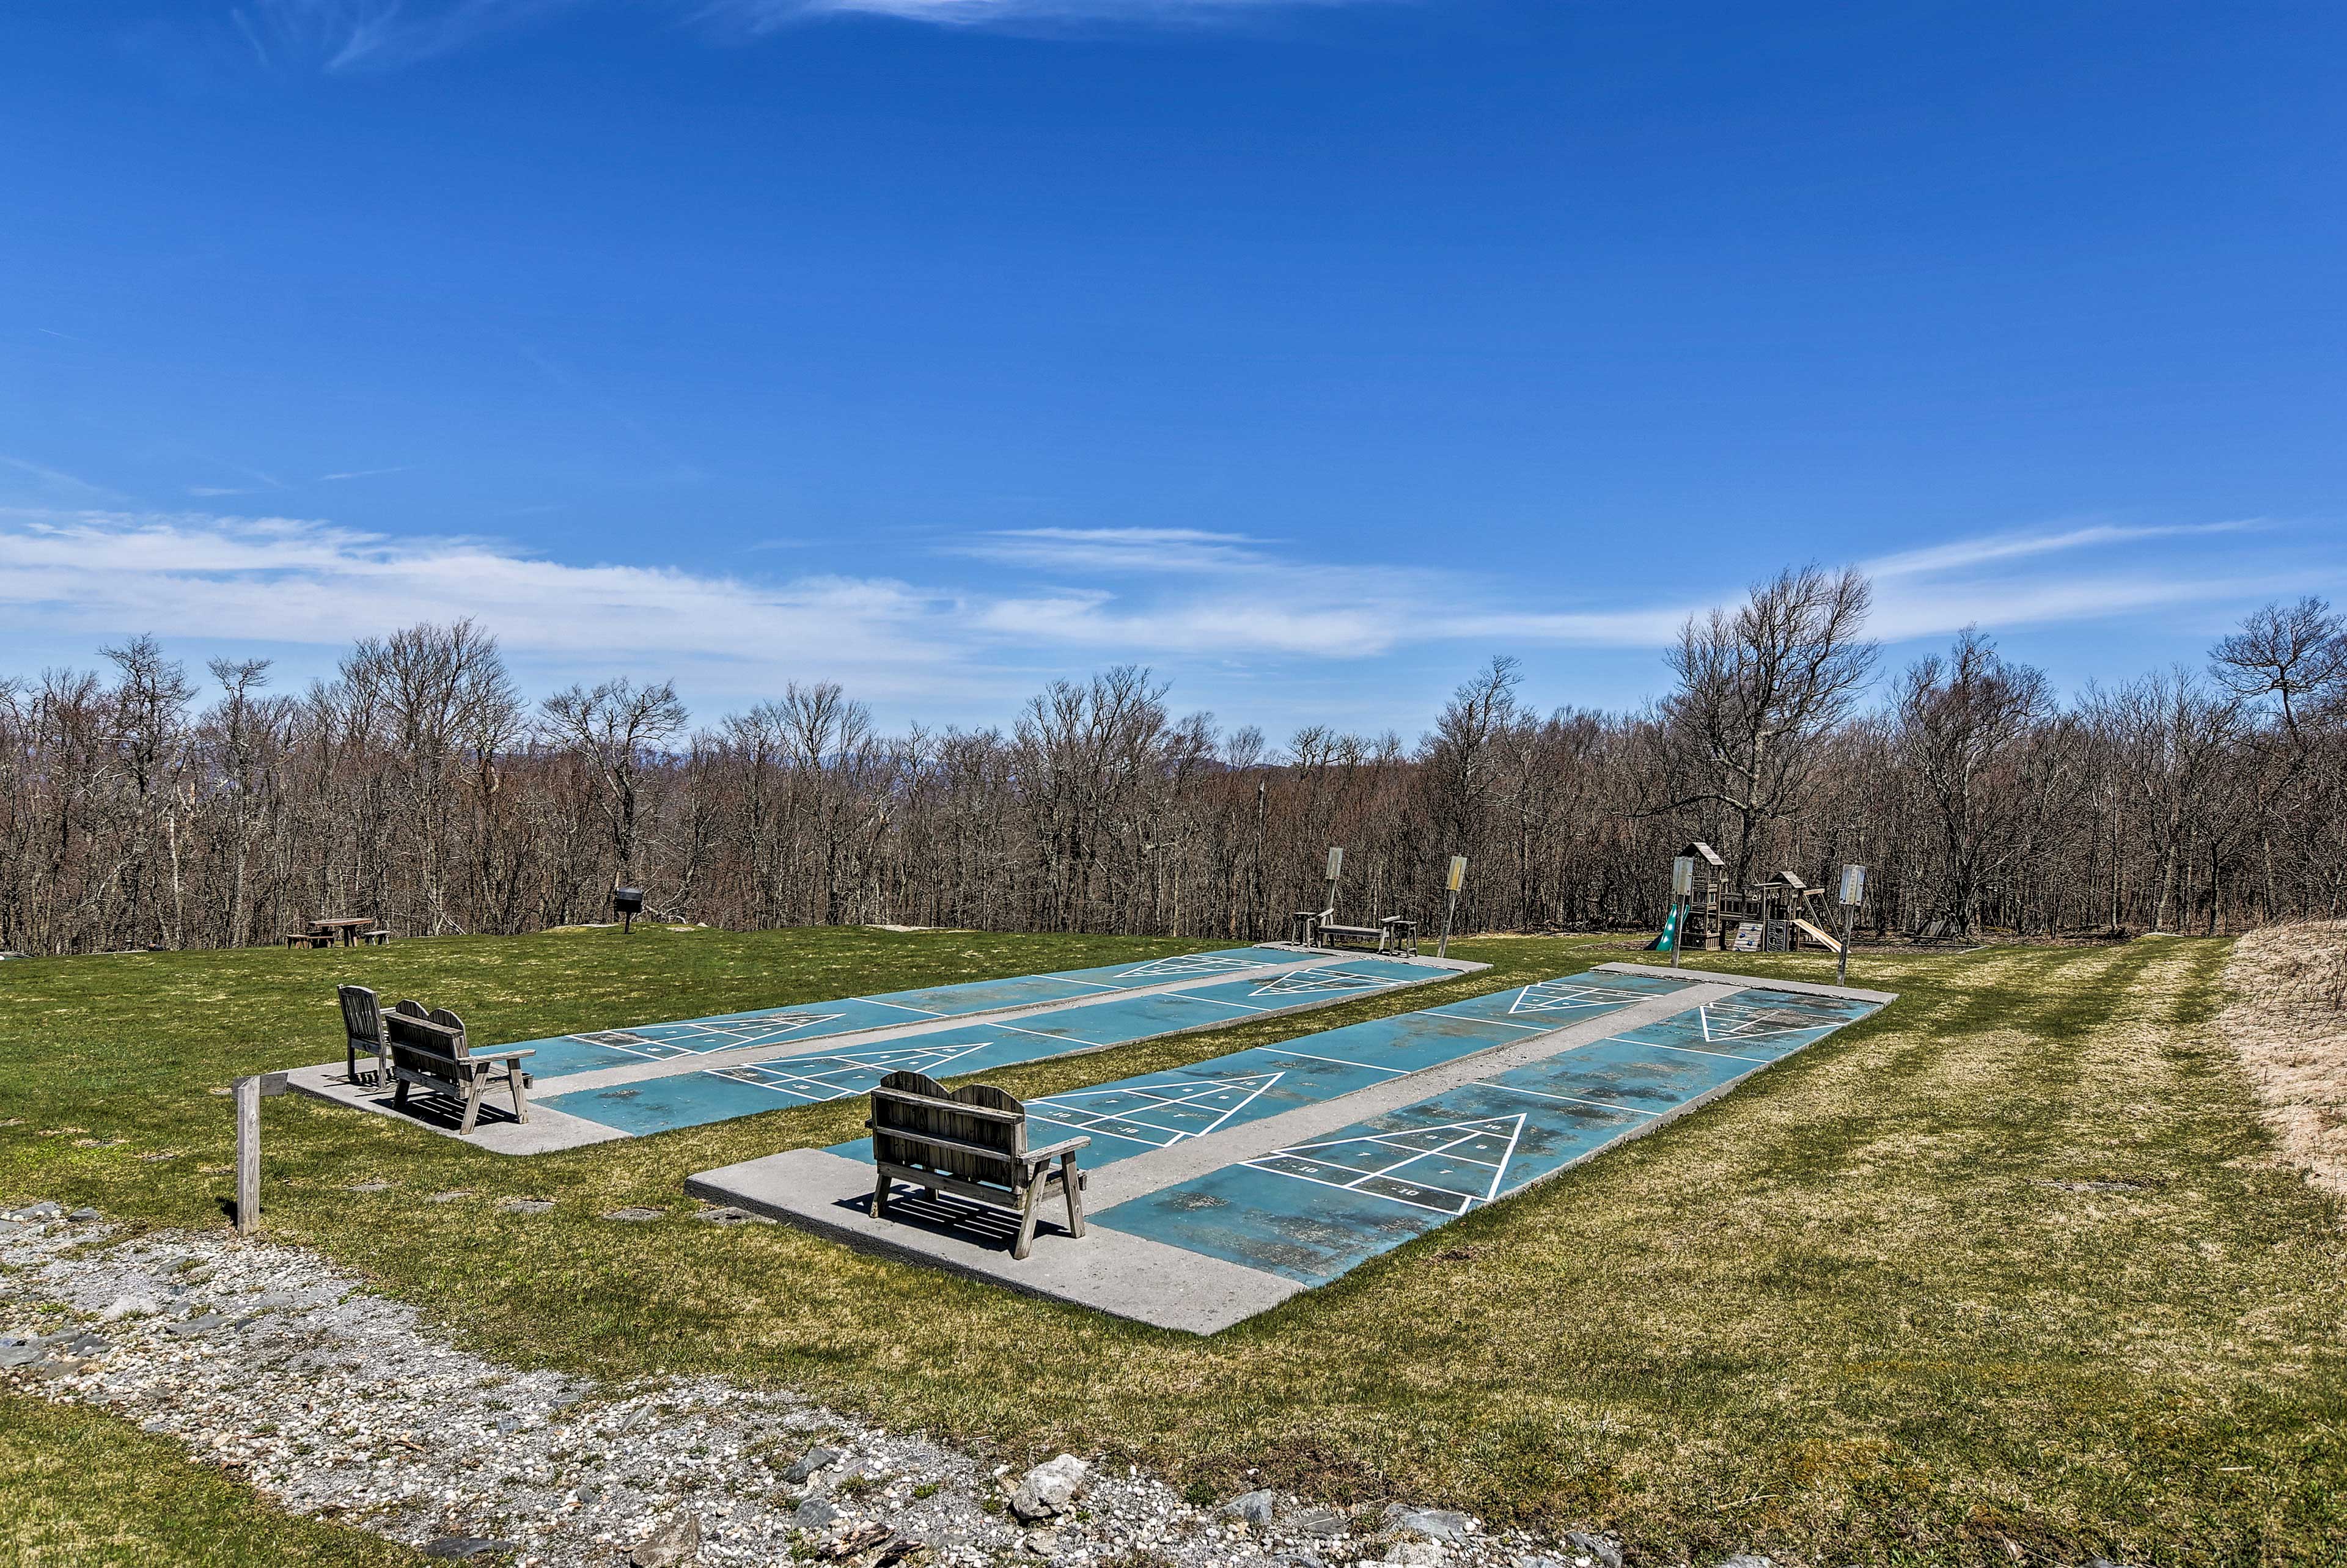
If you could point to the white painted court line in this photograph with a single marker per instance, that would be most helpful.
(1346, 1061)
(900, 1006)
(1469, 1132)
(1504, 1023)
(1214, 1001)
(1568, 1099)
(1691, 1051)
(1094, 984)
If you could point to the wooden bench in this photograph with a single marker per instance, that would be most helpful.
(972, 1143)
(1320, 930)
(309, 938)
(375, 937)
(362, 1031)
(429, 1051)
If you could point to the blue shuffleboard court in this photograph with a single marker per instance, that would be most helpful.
(1133, 1115)
(1313, 1210)
(562, 1055)
(813, 1073)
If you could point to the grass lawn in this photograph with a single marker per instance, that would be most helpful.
(2005, 1272)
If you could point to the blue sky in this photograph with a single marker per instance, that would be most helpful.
(1307, 352)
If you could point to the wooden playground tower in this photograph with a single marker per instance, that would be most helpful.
(1774, 915)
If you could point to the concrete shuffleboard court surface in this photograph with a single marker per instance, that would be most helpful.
(628, 1082)
(1220, 1189)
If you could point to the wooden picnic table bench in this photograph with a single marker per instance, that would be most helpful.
(428, 1050)
(347, 926)
(971, 1143)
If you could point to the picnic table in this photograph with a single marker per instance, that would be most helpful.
(347, 926)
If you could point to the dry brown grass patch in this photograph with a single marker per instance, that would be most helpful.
(2288, 1021)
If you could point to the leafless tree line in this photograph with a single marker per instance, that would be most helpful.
(140, 807)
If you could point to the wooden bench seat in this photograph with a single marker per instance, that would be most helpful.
(971, 1143)
(309, 938)
(428, 1050)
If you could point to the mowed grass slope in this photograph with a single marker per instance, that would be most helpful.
(2004, 1273)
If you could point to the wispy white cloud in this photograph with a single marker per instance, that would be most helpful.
(365, 473)
(77, 576)
(352, 36)
(53, 484)
(297, 580)
(757, 16)
(375, 34)
(1987, 548)
(1116, 551)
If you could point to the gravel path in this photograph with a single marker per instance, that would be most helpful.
(268, 1362)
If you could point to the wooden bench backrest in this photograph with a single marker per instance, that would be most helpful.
(362, 1013)
(425, 1050)
(977, 1114)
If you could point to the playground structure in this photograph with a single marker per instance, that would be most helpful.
(1777, 914)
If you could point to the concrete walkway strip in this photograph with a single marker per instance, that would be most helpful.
(1753, 982)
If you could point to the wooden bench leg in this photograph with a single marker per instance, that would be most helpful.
(473, 1086)
(1073, 1181)
(520, 1082)
(399, 1095)
(1027, 1206)
(880, 1196)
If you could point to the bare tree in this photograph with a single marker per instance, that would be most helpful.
(1961, 722)
(1757, 687)
(618, 728)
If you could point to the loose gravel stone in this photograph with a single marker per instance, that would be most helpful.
(1049, 1488)
(809, 1463)
(632, 1214)
(677, 1541)
(273, 1366)
(1600, 1551)
(1434, 1523)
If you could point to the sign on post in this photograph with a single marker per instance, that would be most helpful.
(1452, 884)
(1683, 877)
(1852, 893)
(1336, 860)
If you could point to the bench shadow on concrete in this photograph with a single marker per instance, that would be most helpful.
(962, 1220)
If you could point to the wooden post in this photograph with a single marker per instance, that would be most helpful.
(1452, 883)
(1849, 894)
(248, 1155)
(250, 1092)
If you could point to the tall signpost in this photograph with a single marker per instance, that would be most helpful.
(1452, 884)
(1849, 894)
(1682, 895)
